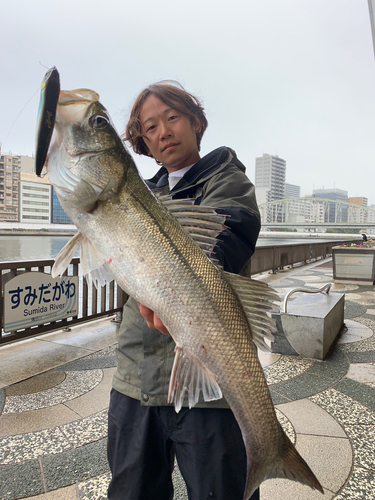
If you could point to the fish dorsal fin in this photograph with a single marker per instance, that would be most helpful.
(190, 375)
(91, 261)
(257, 299)
(202, 223)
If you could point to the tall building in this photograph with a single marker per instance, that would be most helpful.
(269, 178)
(371, 218)
(24, 197)
(292, 191)
(58, 215)
(358, 200)
(39, 202)
(27, 164)
(35, 199)
(358, 214)
(9, 187)
(333, 214)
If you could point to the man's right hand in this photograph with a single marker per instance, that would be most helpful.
(152, 319)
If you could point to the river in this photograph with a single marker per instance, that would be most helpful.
(22, 247)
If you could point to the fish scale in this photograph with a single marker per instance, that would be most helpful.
(129, 235)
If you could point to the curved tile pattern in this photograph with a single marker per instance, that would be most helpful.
(95, 488)
(360, 486)
(2, 400)
(87, 430)
(285, 368)
(330, 411)
(286, 424)
(16, 449)
(74, 385)
(346, 410)
(355, 332)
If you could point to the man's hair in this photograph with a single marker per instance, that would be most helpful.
(173, 95)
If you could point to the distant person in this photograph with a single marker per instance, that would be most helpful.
(145, 434)
(364, 237)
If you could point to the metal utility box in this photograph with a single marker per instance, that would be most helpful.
(310, 326)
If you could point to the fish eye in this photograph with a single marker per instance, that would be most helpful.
(99, 121)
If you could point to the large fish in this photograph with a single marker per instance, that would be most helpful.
(158, 253)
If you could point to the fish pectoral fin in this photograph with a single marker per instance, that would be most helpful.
(109, 190)
(191, 376)
(66, 254)
(257, 299)
(93, 263)
(85, 196)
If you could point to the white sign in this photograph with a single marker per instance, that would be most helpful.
(35, 298)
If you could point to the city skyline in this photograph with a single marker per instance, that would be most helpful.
(292, 78)
(26, 162)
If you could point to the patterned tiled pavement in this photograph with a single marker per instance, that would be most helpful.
(54, 392)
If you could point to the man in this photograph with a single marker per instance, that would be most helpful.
(145, 433)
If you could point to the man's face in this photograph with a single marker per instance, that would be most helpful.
(169, 135)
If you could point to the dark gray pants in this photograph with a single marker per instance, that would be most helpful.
(143, 441)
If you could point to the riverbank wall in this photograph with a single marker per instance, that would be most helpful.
(17, 228)
(34, 229)
(308, 236)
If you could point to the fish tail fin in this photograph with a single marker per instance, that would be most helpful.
(292, 466)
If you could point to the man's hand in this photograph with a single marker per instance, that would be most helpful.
(152, 319)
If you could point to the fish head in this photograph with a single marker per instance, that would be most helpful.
(85, 159)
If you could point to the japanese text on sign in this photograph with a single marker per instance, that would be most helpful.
(36, 298)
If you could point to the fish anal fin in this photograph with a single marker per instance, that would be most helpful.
(190, 375)
(66, 254)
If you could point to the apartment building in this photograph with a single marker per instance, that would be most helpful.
(358, 200)
(358, 215)
(10, 167)
(292, 191)
(371, 218)
(269, 178)
(35, 198)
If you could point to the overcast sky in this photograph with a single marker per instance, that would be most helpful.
(289, 77)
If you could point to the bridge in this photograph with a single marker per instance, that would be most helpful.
(316, 213)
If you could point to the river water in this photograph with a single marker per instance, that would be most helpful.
(22, 247)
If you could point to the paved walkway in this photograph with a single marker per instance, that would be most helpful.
(54, 392)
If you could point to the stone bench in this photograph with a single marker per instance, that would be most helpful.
(310, 324)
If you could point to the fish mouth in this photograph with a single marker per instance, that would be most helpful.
(53, 103)
(63, 155)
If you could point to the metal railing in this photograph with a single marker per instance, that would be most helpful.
(109, 299)
(272, 258)
(93, 303)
